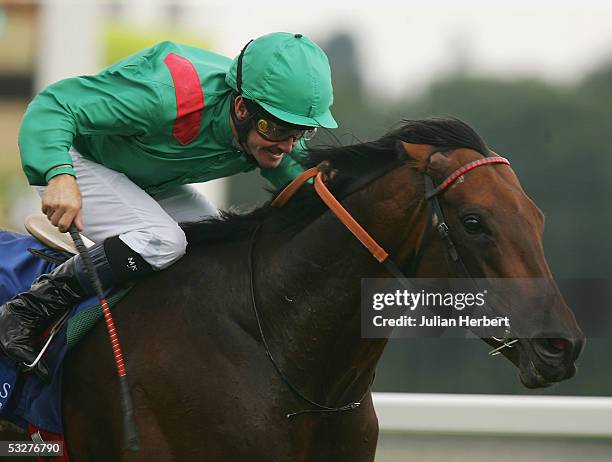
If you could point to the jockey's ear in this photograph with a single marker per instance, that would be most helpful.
(240, 108)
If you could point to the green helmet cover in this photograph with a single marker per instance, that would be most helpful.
(289, 76)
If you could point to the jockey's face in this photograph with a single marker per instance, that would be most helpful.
(268, 154)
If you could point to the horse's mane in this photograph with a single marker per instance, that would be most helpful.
(352, 162)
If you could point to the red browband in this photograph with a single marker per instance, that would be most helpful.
(466, 168)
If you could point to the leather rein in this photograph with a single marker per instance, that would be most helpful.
(435, 216)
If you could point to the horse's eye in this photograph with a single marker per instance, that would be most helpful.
(472, 224)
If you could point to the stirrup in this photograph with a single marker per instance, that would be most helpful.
(39, 227)
(56, 327)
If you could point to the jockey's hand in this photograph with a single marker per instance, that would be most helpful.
(62, 202)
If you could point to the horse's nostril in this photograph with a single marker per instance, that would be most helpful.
(553, 347)
(558, 344)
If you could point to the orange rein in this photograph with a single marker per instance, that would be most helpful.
(377, 251)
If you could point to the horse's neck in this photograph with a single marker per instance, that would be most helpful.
(310, 294)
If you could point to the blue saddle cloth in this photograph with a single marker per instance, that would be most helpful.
(23, 397)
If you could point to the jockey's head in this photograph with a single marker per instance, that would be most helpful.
(282, 93)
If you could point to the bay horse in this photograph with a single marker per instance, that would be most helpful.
(261, 319)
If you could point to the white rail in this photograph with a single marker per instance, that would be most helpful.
(495, 414)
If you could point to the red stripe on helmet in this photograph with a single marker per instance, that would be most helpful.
(189, 98)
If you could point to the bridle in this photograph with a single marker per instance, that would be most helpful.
(435, 216)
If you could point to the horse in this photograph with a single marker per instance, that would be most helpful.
(249, 348)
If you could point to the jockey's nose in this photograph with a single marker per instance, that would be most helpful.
(287, 145)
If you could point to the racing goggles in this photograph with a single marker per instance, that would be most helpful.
(272, 131)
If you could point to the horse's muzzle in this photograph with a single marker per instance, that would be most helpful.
(547, 359)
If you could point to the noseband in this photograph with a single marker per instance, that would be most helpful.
(435, 216)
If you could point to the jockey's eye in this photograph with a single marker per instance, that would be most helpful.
(472, 224)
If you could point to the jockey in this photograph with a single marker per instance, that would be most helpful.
(114, 154)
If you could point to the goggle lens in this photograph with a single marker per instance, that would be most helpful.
(272, 131)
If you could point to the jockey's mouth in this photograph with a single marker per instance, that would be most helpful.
(274, 154)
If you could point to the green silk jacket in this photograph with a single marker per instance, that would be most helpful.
(160, 116)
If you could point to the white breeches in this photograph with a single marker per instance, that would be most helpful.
(114, 206)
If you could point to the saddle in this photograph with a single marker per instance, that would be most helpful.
(39, 227)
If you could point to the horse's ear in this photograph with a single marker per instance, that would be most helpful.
(438, 165)
(419, 153)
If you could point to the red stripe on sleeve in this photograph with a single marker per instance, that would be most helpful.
(189, 98)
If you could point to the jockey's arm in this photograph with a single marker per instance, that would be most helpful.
(107, 103)
(110, 103)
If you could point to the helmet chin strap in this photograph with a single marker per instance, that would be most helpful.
(242, 126)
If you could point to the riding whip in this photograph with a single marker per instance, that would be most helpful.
(130, 430)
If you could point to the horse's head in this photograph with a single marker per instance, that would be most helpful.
(497, 231)
(442, 206)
